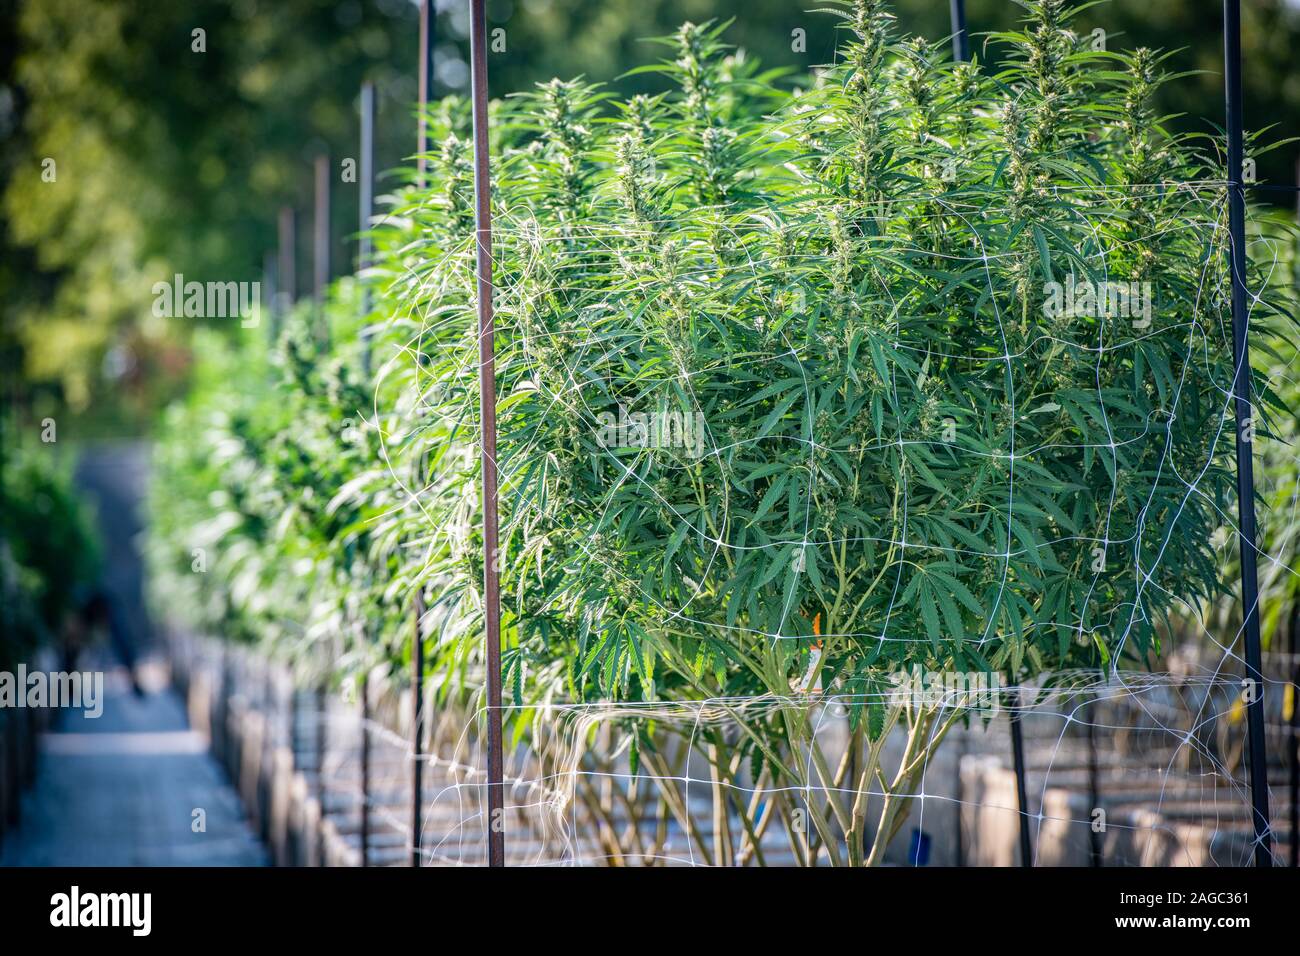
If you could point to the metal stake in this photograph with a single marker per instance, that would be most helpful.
(1294, 782)
(1094, 793)
(321, 245)
(1022, 796)
(322, 742)
(294, 742)
(287, 285)
(1246, 531)
(427, 28)
(488, 418)
(425, 85)
(960, 44)
(367, 204)
(417, 732)
(267, 301)
(365, 768)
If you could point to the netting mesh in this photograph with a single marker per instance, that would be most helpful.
(1124, 766)
(844, 435)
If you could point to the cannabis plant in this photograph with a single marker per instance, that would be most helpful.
(805, 385)
(913, 369)
(272, 498)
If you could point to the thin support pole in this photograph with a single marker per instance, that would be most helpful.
(1297, 210)
(417, 732)
(1296, 256)
(1094, 792)
(365, 768)
(321, 245)
(287, 285)
(227, 688)
(488, 419)
(959, 851)
(960, 42)
(322, 743)
(424, 85)
(268, 695)
(271, 711)
(1022, 795)
(428, 27)
(1293, 783)
(294, 742)
(266, 304)
(1241, 387)
(366, 210)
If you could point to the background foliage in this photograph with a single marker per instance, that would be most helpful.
(49, 557)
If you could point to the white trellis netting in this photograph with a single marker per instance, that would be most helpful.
(835, 426)
(1124, 766)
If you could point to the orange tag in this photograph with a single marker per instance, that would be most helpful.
(814, 658)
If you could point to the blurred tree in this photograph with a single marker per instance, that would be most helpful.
(1193, 31)
(140, 148)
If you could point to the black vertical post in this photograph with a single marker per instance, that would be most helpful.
(287, 284)
(365, 768)
(1018, 763)
(321, 245)
(1294, 782)
(417, 731)
(366, 210)
(959, 850)
(1295, 268)
(428, 26)
(488, 419)
(960, 44)
(1241, 385)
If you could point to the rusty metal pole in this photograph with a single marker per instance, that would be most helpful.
(488, 419)
(322, 745)
(287, 277)
(1293, 779)
(425, 85)
(366, 211)
(365, 768)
